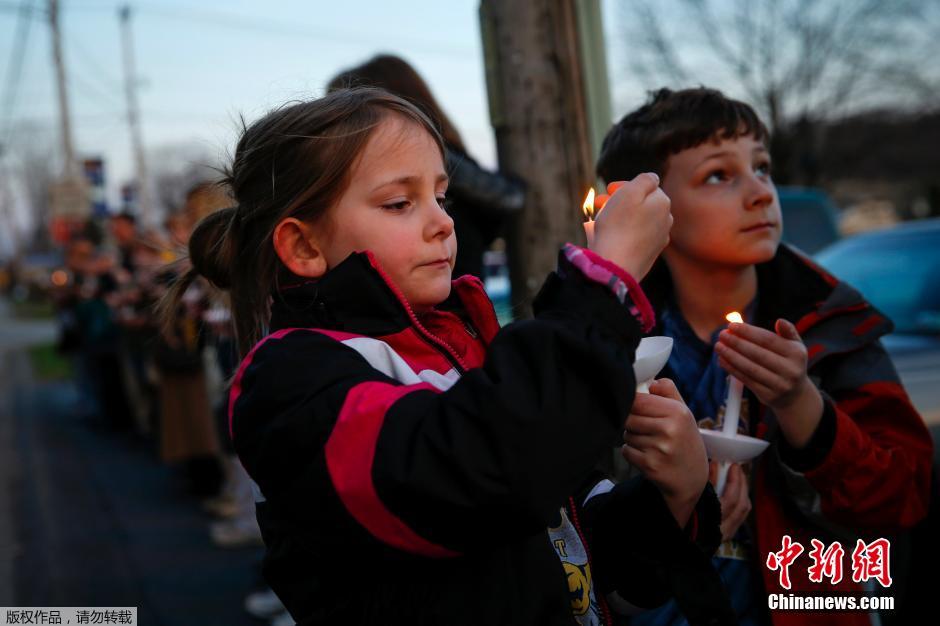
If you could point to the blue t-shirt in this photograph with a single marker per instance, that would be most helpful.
(704, 387)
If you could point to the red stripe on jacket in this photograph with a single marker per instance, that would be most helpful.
(350, 453)
(236, 389)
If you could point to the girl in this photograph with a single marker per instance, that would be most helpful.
(408, 454)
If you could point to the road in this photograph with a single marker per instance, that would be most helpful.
(90, 517)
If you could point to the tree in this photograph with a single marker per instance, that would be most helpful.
(539, 115)
(800, 62)
(30, 160)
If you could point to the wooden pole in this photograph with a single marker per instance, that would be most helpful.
(538, 109)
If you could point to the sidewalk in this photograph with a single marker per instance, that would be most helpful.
(90, 517)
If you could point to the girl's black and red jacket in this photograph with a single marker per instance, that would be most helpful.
(408, 469)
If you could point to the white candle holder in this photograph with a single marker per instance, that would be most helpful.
(728, 449)
(651, 357)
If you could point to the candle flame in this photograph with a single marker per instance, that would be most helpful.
(588, 206)
(735, 317)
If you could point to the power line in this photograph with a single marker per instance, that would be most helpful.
(108, 79)
(273, 27)
(93, 93)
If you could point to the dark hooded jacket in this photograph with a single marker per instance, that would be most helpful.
(410, 470)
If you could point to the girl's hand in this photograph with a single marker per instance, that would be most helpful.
(633, 227)
(735, 502)
(773, 366)
(662, 440)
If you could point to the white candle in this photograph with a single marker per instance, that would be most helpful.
(730, 426)
(735, 390)
(588, 208)
(732, 407)
(589, 233)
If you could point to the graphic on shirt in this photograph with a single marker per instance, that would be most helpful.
(579, 587)
(567, 544)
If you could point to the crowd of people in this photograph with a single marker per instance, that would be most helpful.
(167, 385)
(409, 461)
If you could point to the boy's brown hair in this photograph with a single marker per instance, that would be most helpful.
(670, 122)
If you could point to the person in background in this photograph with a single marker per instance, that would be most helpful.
(479, 201)
(124, 232)
(90, 333)
(188, 434)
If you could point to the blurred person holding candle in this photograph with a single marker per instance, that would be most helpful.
(850, 456)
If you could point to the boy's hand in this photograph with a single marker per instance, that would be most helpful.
(633, 227)
(662, 440)
(773, 366)
(735, 502)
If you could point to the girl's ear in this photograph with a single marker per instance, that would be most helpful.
(296, 245)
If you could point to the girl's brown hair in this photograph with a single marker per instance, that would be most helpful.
(293, 162)
(396, 75)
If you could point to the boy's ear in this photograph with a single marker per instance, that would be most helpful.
(296, 245)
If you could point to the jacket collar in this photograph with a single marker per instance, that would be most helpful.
(357, 296)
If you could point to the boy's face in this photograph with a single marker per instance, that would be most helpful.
(724, 203)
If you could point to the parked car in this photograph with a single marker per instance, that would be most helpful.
(809, 218)
(898, 270)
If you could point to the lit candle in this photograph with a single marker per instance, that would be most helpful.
(735, 391)
(732, 414)
(588, 209)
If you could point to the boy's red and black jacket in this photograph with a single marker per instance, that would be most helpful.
(865, 473)
(408, 468)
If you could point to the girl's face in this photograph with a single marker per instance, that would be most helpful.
(393, 207)
(724, 203)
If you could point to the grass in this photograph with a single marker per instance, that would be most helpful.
(48, 364)
(32, 309)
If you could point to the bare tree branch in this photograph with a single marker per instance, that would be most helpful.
(796, 58)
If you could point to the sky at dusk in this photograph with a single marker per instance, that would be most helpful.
(201, 65)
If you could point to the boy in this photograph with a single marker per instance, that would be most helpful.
(850, 456)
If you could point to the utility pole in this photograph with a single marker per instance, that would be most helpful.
(68, 151)
(538, 90)
(68, 196)
(133, 116)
